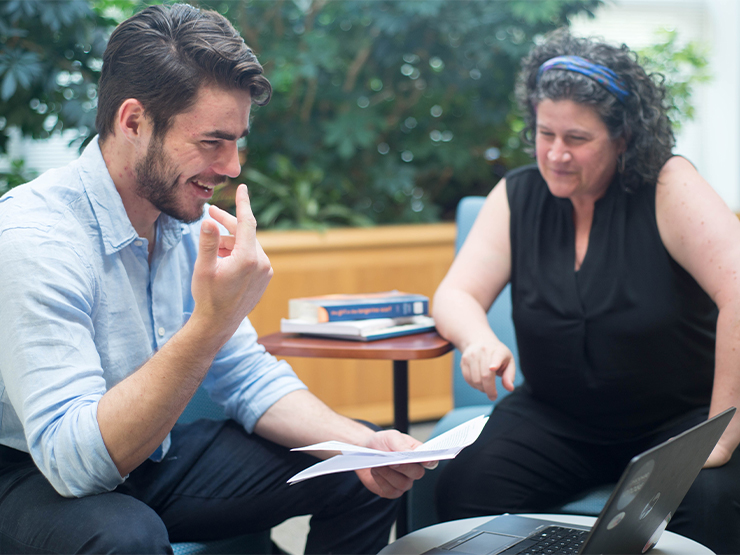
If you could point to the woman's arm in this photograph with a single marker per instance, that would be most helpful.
(703, 235)
(479, 272)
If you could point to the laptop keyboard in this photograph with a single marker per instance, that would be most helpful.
(551, 540)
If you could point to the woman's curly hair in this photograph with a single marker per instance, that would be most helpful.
(641, 120)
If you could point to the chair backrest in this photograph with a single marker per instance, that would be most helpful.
(201, 406)
(499, 316)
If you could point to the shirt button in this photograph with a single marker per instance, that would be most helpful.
(138, 243)
(160, 331)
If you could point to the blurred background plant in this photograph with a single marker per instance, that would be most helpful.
(406, 106)
(50, 59)
(384, 111)
(683, 66)
(18, 174)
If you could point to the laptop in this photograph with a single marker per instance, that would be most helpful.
(636, 514)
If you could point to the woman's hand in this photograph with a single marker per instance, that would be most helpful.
(482, 362)
(719, 456)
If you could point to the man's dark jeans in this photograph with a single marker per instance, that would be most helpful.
(216, 482)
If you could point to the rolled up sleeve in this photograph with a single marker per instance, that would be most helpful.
(49, 363)
(246, 380)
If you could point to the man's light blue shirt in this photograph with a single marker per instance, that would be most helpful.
(82, 308)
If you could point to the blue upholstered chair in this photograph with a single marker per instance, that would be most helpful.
(469, 403)
(201, 406)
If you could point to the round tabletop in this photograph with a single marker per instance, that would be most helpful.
(428, 538)
(406, 347)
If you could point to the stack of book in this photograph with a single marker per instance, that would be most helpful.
(359, 317)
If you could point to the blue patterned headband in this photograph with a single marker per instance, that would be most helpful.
(602, 75)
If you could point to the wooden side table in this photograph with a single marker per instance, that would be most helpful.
(398, 349)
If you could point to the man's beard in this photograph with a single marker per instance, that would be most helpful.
(158, 182)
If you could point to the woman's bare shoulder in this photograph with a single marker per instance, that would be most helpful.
(677, 167)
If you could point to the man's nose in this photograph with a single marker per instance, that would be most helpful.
(228, 163)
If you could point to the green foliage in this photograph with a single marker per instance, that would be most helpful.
(296, 200)
(384, 111)
(405, 105)
(17, 175)
(683, 67)
(50, 58)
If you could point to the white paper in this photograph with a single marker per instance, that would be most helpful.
(353, 457)
(369, 328)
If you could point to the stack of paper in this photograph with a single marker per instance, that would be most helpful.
(444, 446)
(360, 330)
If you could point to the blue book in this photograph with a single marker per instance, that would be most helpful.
(362, 306)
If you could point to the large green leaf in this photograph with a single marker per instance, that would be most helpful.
(19, 68)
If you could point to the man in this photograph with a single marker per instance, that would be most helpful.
(120, 297)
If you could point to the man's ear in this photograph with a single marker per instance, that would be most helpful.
(132, 121)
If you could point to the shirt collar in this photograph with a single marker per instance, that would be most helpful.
(115, 227)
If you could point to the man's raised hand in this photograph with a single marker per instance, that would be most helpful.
(231, 272)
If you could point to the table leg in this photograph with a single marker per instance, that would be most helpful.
(401, 395)
(401, 423)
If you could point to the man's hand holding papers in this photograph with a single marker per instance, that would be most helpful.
(390, 481)
(353, 457)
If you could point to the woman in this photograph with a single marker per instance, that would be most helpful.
(624, 268)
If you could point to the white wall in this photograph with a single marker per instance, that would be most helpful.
(40, 155)
(712, 140)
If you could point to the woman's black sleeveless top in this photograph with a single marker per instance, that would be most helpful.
(625, 344)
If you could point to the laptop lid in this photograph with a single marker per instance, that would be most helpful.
(651, 489)
(643, 502)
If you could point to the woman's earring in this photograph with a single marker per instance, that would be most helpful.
(621, 161)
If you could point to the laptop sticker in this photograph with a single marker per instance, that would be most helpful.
(649, 506)
(613, 523)
(636, 484)
(656, 535)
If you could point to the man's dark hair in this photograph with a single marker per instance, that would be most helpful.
(163, 55)
(642, 119)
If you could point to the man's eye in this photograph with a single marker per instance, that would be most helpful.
(210, 144)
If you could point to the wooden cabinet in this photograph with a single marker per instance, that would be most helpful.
(412, 258)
